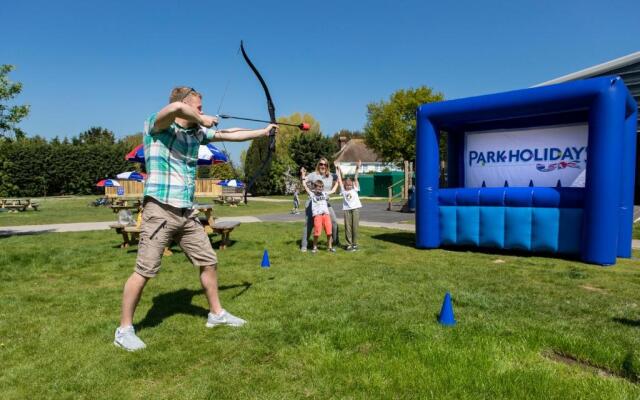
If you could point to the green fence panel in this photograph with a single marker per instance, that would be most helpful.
(366, 185)
(382, 181)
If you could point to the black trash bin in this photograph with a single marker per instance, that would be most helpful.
(412, 199)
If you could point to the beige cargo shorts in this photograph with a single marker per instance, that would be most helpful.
(163, 224)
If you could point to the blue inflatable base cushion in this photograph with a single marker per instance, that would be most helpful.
(535, 229)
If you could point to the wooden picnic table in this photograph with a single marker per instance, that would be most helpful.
(126, 203)
(16, 205)
(231, 196)
(130, 233)
(116, 208)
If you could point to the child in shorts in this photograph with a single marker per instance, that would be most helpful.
(320, 212)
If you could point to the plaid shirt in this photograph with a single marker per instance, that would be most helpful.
(171, 158)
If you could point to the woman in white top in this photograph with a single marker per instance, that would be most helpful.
(321, 173)
(351, 206)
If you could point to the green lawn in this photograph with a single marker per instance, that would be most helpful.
(346, 325)
(59, 210)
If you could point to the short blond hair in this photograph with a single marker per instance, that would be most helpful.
(182, 92)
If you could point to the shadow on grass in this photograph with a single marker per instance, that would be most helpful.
(174, 250)
(512, 252)
(4, 234)
(180, 302)
(628, 322)
(402, 238)
(216, 244)
(408, 239)
(321, 242)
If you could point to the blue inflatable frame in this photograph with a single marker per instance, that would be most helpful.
(593, 223)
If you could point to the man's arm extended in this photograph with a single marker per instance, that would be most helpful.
(240, 135)
(178, 109)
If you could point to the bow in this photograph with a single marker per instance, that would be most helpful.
(272, 117)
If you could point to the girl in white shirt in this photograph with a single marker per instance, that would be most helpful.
(351, 206)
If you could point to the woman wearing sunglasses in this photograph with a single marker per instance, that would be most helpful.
(321, 173)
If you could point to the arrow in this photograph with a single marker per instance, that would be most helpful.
(302, 126)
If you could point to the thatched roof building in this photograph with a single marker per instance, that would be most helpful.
(355, 149)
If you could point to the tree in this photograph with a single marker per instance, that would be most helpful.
(391, 126)
(131, 141)
(223, 171)
(10, 116)
(7, 188)
(96, 135)
(305, 150)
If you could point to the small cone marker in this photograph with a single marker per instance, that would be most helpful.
(446, 313)
(265, 260)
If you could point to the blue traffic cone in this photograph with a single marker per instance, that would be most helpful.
(265, 260)
(446, 313)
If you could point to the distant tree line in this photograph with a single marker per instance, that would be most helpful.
(38, 167)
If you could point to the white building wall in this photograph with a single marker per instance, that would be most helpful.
(349, 168)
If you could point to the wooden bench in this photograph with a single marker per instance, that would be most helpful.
(134, 231)
(15, 207)
(224, 228)
(120, 230)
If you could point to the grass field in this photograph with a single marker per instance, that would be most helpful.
(59, 210)
(346, 325)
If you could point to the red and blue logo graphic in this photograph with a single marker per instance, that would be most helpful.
(558, 165)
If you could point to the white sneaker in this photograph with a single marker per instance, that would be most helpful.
(127, 339)
(224, 318)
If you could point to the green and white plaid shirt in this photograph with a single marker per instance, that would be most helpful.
(171, 158)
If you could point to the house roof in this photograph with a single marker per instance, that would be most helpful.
(596, 69)
(354, 150)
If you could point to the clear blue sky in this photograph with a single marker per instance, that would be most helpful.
(112, 63)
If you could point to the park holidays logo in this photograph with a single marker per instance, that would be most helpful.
(546, 159)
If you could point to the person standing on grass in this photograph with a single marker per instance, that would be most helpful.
(296, 202)
(321, 173)
(171, 141)
(320, 211)
(351, 206)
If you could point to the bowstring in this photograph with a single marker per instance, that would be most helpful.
(224, 94)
